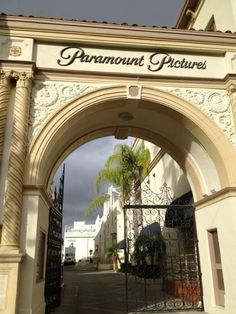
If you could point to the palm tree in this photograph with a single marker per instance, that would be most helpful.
(124, 168)
(112, 252)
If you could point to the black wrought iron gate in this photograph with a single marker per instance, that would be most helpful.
(53, 276)
(161, 258)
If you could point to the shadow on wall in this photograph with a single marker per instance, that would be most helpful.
(176, 179)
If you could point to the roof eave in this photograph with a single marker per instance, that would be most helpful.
(56, 30)
(183, 19)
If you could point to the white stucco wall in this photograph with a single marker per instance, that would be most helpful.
(82, 236)
(111, 224)
(31, 291)
(166, 171)
(218, 216)
(224, 14)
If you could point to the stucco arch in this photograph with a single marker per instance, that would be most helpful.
(187, 134)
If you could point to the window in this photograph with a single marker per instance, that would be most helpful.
(211, 26)
(41, 256)
(217, 272)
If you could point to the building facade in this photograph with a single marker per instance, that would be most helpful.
(81, 236)
(111, 226)
(172, 87)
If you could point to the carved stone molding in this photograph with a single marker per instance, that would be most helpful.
(232, 89)
(232, 96)
(5, 79)
(16, 48)
(15, 51)
(48, 96)
(14, 182)
(213, 102)
(232, 61)
(23, 79)
(10, 257)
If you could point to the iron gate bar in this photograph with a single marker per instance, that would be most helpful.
(145, 206)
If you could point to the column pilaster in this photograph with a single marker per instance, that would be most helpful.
(232, 96)
(14, 182)
(4, 99)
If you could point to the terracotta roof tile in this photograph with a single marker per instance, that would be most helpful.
(85, 21)
(115, 23)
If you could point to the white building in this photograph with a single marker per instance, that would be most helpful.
(81, 236)
(111, 224)
(213, 15)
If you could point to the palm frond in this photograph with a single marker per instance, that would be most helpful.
(95, 203)
(107, 175)
(112, 251)
(123, 169)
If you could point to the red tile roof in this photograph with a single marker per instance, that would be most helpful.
(121, 24)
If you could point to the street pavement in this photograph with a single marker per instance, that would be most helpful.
(87, 291)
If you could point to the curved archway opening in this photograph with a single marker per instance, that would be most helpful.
(184, 132)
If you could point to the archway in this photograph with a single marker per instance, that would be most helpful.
(186, 133)
(182, 130)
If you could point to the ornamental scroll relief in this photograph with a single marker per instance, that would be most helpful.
(47, 97)
(215, 103)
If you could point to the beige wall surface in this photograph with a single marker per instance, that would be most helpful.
(166, 170)
(221, 216)
(34, 218)
(156, 62)
(223, 12)
(82, 243)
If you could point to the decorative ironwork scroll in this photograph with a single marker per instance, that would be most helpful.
(161, 253)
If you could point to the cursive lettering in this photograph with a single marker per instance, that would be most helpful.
(160, 60)
(70, 54)
(157, 61)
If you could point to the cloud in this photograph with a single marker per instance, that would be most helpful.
(81, 168)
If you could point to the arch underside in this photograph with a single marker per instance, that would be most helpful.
(183, 131)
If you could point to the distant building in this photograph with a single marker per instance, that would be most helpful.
(111, 224)
(81, 236)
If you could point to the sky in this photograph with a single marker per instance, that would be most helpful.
(81, 168)
(146, 12)
(83, 164)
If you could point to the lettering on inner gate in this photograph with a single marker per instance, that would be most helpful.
(155, 62)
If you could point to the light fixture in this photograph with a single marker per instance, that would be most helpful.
(125, 116)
